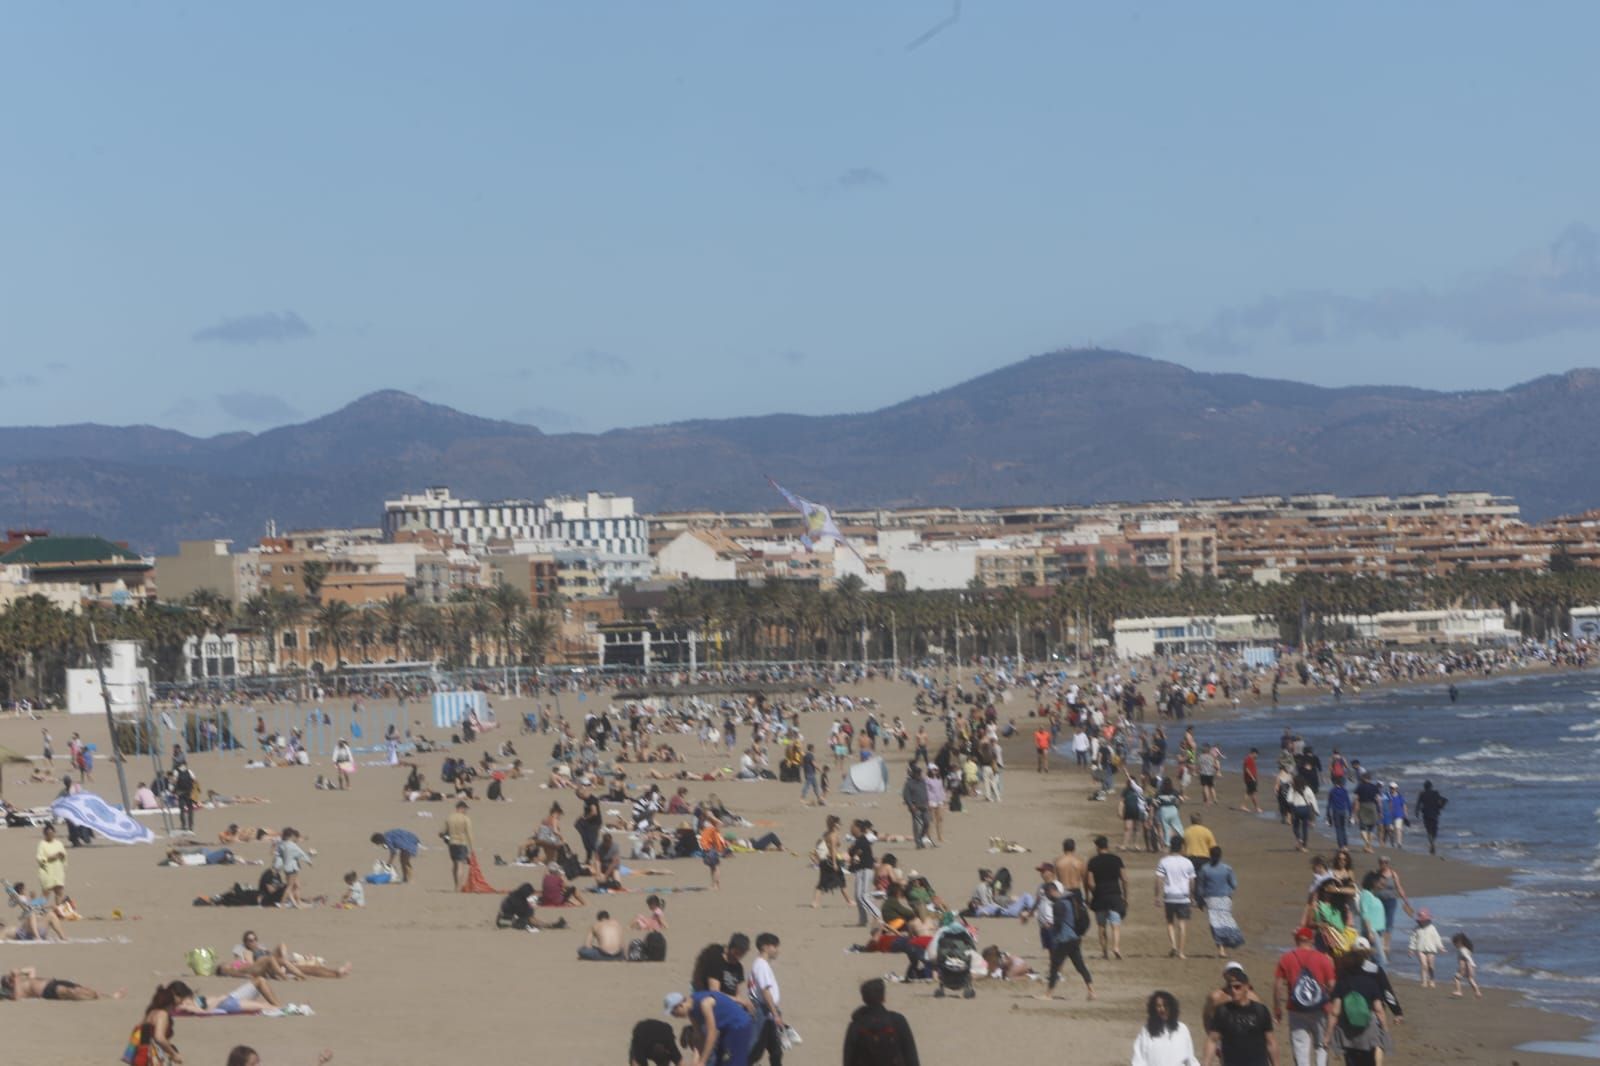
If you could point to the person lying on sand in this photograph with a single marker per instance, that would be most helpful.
(25, 983)
(237, 834)
(296, 965)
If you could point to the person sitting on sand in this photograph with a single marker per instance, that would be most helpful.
(654, 918)
(39, 920)
(547, 838)
(554, 891)
(605, 940)
(607, 861)
(516, 911)
(25, 983)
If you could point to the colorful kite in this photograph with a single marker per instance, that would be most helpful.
(820, 525)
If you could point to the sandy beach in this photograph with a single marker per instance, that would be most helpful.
(435, 981)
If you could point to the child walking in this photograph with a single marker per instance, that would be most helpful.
(1466, 965)
(1425, 943)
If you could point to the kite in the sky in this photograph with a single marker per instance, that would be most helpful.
(820, 525)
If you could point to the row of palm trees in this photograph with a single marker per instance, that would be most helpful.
(791, 620)
(779, 620)
(479, 627)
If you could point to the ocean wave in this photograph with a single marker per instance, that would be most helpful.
(1477, 714)
(1506, 969)
(1429, 740)
(1585, 727)
(1490, 750)
(1580, 740)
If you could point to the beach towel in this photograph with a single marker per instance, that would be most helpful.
(92, 812)
(476, 882)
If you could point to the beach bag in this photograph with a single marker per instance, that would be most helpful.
(1356, 1011)
(1307, 992)
(202, 962)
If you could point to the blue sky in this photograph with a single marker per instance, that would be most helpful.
(217, 217)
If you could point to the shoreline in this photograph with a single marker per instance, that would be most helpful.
(1438, 878)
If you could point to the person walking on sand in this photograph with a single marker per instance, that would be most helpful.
(862, 865)
(1252, 781)
(344, 762)
(1466, 965)
(808, 774)
(1106, 879)
(830, 876)
(914, 794)
(458, 838)
(1241, 1032)
(1426, 944)
(1164, 1040)
(1175, 895)
(1303, 982)
(877, 1036)
(287, 858)
(1430, 804)
(1057, 916)
(1391, 892)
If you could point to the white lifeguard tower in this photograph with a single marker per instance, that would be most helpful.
(125, 679)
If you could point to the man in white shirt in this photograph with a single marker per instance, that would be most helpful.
(764, 994)
(1175, 894)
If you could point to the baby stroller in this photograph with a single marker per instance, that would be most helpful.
(952, 962)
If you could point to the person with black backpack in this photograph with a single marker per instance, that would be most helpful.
(877, 1036)
(1063, 919)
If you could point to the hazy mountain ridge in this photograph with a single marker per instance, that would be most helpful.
(1065, 427)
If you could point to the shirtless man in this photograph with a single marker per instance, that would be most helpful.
(1069, 867)
(237, 834)
(27, 984)
(605, 940)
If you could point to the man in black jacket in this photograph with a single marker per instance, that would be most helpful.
(877, 1036)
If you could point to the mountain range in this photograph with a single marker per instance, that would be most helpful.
(1072, 426)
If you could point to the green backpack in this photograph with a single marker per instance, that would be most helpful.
(1357, 1012)
(202, 961)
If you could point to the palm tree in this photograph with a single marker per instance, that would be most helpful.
(509, 605)
(335, 620)
(398, 612)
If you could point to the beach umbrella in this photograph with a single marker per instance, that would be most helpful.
(8, 756)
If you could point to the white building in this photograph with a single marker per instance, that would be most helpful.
(601, 526)
(1586, 623)
(702, 555)
(1460, 626)
(1182, 635)
(929, 567)
(469, 522)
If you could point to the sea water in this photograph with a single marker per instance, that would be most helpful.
(1519, 760)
